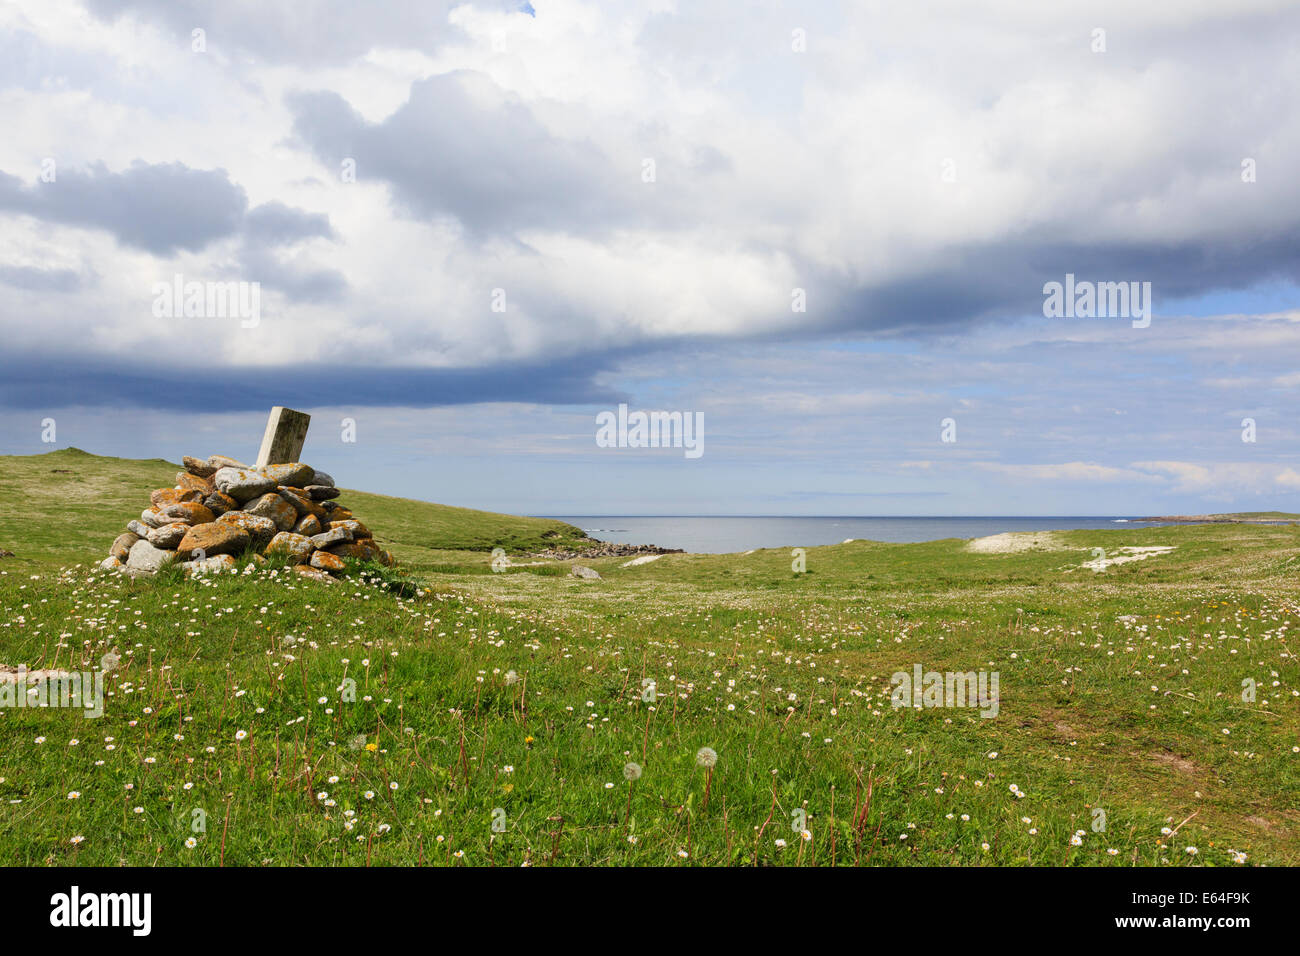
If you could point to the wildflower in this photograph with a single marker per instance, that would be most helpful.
(631, 771)
(191, 843)
(706, 757)
(241, 734)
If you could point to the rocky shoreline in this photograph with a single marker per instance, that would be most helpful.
(1222, 519)
(604, 549)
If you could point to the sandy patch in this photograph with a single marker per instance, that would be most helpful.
(644, 559)
(1010, 542)
(1123, 556)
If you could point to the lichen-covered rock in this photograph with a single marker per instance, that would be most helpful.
(219, 503)
(121, 546)
(324, 561)
(307, 571)
(187, 512)
(162, 497)
(590, 574)
(169, 535)
(138, 528)
(151, 518)
(276, 508)
(216, 563)
(259, 530)
(110, 563)
(308, 525)
(356, 527)
(294, 496)
(146, 558)
(215, 537)
(327, 539)
(243, 484)
(363, 550)
(322, 492)
(338, 512)
(196, 466)
(295, 474)
(188, 482)
(217, 462)
(295, 545)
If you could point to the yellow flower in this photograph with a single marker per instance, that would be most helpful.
(372, 747)
(529, 741)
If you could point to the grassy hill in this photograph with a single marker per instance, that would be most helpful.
(67, 506)
(1148, 711)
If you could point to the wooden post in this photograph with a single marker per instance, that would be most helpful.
(286, 430)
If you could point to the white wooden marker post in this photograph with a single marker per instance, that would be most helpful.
(286, 430)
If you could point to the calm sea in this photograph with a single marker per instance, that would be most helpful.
(704, 535)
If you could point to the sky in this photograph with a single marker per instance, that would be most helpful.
(824, 229)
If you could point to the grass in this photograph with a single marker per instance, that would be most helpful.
(393, 718)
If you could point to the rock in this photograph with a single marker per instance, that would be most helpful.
(188, 482)
(144, 557)
(169, 496)
(356, 527)
(110, 563)
(121, 546)
(386, 559)
(187, 512)
(320, 478)
(272, 506)
(324, 561)
(219, 503)
(259, 530)
(138, 528)
(216, 563)
(202, 469)
(322, 492)
(339, 513)
(301, 502)
(590, 574)
(217, 462)
(151, 519)
(215, 537)
(363, 550)
(327, 539)
(295, 545)
(169, 535)
(295, 474)
(243, 484)
(308, 525)
(307, 571)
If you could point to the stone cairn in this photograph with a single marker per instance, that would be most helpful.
(220, 508)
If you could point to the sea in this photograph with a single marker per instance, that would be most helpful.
(721, 535)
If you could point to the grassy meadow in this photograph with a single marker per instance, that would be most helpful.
(442, 714)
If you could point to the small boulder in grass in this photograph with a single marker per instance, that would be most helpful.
(588, 574)
(147, 559)
(122, 544)
(212, 538)
(214, 564)
(307, 571)
(198, 467)
(324, 561)
(295, 545)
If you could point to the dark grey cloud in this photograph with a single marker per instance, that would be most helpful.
(60, 380)
(310, 33)
(161, 208)
(41, 280)
(461, 147)
(274, 222)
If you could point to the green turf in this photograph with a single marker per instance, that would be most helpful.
(1121, 691)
